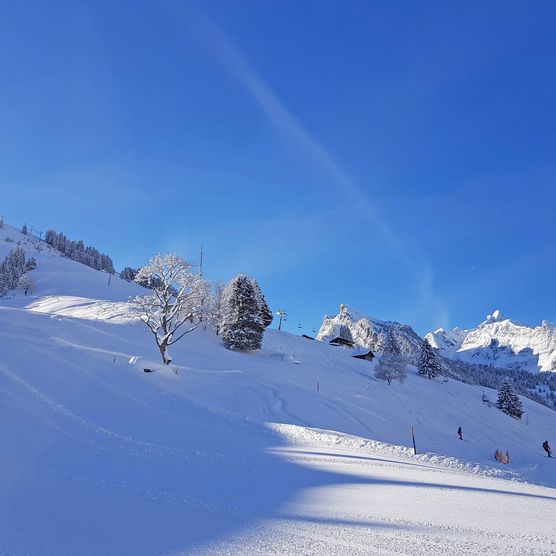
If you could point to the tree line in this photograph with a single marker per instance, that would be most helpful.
(77, 251)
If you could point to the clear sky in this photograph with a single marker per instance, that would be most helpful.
(397, 157)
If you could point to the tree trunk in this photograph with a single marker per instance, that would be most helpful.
(162, 347)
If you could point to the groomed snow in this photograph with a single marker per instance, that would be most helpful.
(239, 453)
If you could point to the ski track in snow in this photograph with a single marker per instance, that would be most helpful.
(239, 453)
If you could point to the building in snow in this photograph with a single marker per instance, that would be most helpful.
(363, 353)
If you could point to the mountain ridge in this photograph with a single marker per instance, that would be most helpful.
(502, 342)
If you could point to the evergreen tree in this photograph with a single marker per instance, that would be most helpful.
(345, 333)
(128, 273)
(390, 345)
(508, 400)
(11, 270)
(428, 363)
(77, 251)
(24, 230)
(242, 325)
(264, 309)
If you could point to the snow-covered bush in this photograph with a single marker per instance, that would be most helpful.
(25, 284)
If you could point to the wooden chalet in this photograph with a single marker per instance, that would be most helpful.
(339, 341)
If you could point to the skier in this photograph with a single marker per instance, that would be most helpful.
(460, 433)
(547, 448)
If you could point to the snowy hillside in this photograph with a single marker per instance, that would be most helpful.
(370, 332)
(294, 449)
(501, 342)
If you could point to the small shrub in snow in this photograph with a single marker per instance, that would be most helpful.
(30, 264)
(25, 284)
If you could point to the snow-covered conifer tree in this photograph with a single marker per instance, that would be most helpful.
(264, 309)
(428, 364)
(390, 345)
(128, 274)
(508, 400)
(242, 325)
(344, 332)
(391, 366)
(11, 270)
(176, 297)
(24, 229)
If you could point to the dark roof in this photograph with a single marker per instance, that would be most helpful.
(342, 341)
(363, 353)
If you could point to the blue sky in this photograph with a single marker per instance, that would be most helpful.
(397, 157)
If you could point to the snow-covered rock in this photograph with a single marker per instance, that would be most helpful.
(501, 342)
(371, 332)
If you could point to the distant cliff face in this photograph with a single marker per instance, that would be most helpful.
(501, 342)
(370, 332)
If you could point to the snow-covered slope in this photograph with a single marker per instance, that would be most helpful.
(501, 342)
(293, 449)
(370, 332)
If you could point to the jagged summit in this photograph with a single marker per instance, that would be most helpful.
(496, 316)
(370, 332)
(501, 342)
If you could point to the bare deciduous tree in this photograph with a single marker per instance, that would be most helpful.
(175, 298)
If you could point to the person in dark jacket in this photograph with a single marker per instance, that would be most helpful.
(547, 448)
(460, 433)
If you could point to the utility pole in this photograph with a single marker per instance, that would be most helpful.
(283, 317)
(413, 436)
(201, 262)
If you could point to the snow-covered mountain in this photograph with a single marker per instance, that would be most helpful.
(370, 332)
(501, 342)
(278, 451)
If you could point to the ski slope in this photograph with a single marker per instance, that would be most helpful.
(240, 453)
